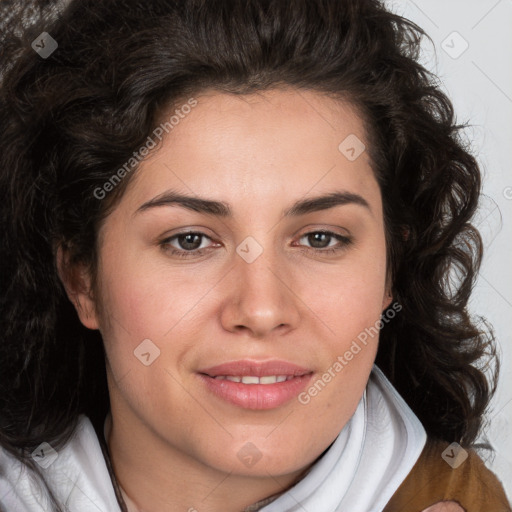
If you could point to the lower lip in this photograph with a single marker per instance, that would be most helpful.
(256, 396)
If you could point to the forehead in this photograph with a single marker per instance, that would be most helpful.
(275, 119)
(276, 144)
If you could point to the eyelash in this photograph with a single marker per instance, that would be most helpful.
(344, 240)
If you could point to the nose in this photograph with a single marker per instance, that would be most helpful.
(259, 299)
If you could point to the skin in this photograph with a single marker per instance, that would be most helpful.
(173, 444)
(445, 506)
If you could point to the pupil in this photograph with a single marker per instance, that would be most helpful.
(316, 239)
(188, 241)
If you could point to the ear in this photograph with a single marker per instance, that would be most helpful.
(77, 283)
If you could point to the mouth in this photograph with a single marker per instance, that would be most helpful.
(253, 379)
(256, 386)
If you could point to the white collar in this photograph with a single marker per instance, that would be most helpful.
(361, 470)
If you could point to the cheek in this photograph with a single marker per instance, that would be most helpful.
(143, 296)
(130, 304)
(350, 298)
(147, 302)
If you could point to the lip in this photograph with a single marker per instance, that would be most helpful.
(256, 396)
(259, 369)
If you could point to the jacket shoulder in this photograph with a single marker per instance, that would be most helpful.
(448, 472)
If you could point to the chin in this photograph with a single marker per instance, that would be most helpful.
(249, 460)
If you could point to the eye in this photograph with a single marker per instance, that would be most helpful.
(190, 241)
(326, 241)
(186, 244)
(190, 244)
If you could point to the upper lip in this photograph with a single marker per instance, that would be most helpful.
(258, 369)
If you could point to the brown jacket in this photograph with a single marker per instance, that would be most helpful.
(432, 480)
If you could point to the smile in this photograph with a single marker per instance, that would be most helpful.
(255, 385)
(252, 379)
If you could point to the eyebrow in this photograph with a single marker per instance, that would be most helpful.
(224, 210)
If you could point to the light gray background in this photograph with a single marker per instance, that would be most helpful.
(479, 83)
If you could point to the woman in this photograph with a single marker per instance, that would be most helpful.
(230, 231)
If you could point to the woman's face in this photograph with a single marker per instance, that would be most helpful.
(256, 292)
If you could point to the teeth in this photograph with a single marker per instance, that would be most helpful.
(252, 379)
(248, 379)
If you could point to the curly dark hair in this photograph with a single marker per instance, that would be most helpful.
(70, 120)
